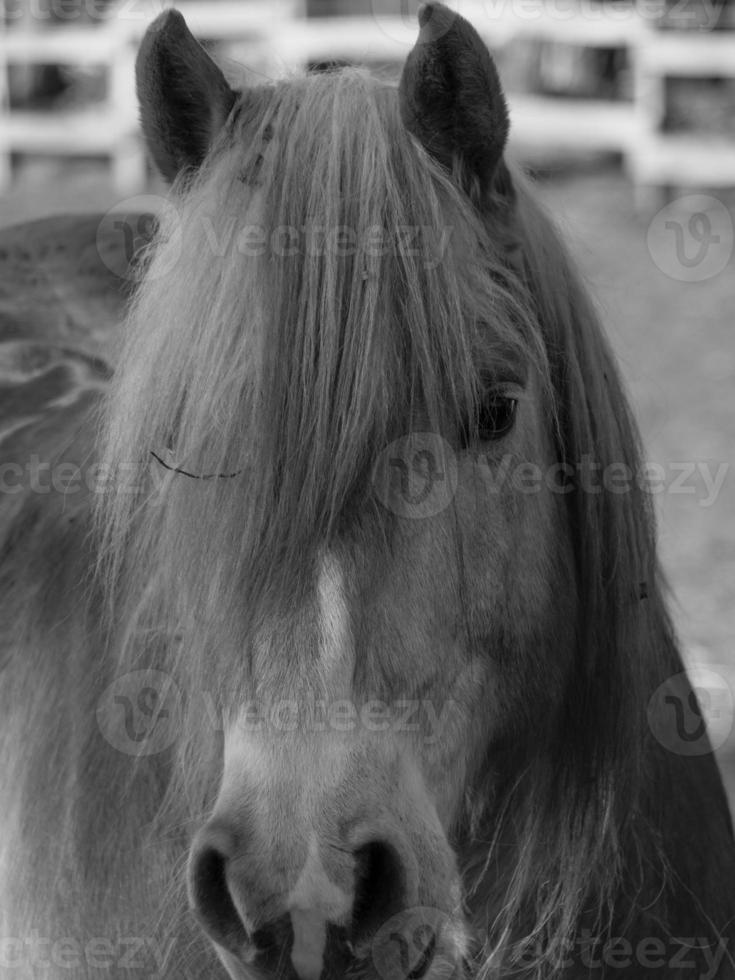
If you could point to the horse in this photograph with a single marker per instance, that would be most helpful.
(330, 646)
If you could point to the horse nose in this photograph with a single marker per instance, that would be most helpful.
(386, 882)
(211, 894)
(341, 894)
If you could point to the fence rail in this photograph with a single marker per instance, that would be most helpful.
(280, 31)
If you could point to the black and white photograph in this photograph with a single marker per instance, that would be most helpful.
(367, 489)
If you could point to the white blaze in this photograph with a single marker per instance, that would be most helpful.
(288, 778)
(314, 901)
(334, 621)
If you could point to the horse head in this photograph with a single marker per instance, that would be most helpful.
(401, 578)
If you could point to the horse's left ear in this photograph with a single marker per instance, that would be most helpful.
(184, 97)
(451, 98)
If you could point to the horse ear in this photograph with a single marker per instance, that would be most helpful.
(184, 97)
(451, 98)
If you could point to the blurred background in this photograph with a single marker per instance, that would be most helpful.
(624, 110)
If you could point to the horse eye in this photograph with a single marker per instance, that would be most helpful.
(496, 417)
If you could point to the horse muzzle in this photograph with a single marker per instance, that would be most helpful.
(307, 891)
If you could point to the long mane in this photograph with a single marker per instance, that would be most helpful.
(582, 813)
(292, 371)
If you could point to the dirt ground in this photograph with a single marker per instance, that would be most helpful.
(676, 344)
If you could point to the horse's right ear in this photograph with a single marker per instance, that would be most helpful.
(451, 99)
(184, 97)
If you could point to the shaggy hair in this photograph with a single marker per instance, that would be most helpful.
(279, 378)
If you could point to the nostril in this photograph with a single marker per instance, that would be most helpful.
(380, 887)
(210, 895)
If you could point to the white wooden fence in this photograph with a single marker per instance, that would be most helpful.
(276, 33)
